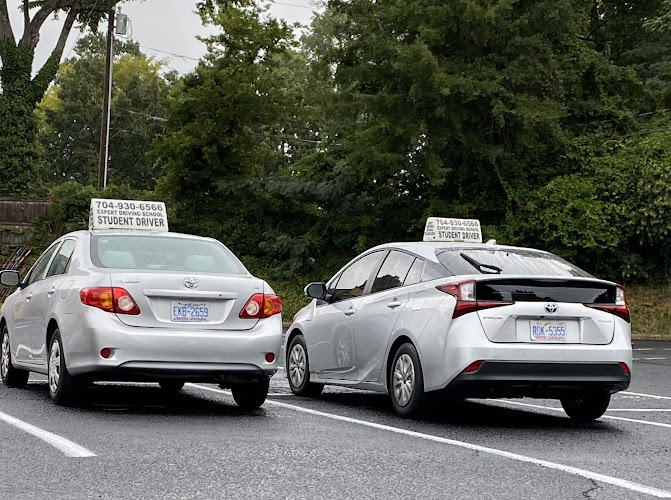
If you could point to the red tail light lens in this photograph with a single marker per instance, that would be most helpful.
(619, 308)
(625, 368)
(464, 292)
(473, 366)
(261, 306)
(110, 299)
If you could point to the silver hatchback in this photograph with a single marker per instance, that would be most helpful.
(161, 307)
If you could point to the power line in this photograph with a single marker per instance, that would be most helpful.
(173, 54)
(296, 5)
(88, 18)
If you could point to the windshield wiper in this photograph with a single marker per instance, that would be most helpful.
(483, 268)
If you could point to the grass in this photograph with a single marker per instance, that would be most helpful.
(650, 308)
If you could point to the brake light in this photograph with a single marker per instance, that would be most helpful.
(464, 292)
(110, 299)
(619, 308)
(261, 306)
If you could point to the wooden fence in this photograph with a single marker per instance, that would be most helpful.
(16, 214)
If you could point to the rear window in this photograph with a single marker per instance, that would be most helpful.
(163, 253)
(496, 261)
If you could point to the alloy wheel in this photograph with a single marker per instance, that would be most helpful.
(297, 365)
(54, 366)
(404, 379)
(4, 366)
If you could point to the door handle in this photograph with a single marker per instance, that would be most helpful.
(30, 296)
(349, 311)
(394, 303)
(51, 292)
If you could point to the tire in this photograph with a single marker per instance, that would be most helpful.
(586, 407)
(298, 370)
(406, 383)
(11, 377)
(171, 385)
(63, 387)
(252, 395)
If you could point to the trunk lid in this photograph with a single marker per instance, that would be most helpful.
(188, 300)
(547, 310)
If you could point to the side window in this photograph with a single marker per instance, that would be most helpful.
(353, 280)
(393, 271)
(62, 258)
(415, 274)
(40, 266)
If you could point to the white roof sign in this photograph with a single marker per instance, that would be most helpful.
(128, 214)
(439, 229)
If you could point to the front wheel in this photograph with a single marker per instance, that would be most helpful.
(406, 383)
(11, 377)
(63, 387)
(298, 369)
(586, 407)
(251, 396)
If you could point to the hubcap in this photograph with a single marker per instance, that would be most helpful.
(5, 355)
(297, 365)
(404, 379)
(54, 366)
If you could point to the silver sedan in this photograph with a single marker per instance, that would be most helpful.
(460, 320)
(164, 307)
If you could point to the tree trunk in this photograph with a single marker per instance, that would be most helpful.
(18, 127)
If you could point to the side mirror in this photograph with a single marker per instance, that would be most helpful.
(10, 278)
(316, 290)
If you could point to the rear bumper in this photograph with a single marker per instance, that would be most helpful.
(140, 353)
(532, 379)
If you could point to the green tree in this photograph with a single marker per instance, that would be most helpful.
(21, 91)
(71, 114)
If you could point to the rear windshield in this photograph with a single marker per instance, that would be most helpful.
(497, 261)
(163, 253)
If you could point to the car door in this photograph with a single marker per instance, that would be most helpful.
(377, 314)
(330, 343)
(45, 294)
(24, 309)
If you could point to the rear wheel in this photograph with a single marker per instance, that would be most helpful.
(171, 385)
(11, 377)
(63, 387)
(586, 407)
(406, 383)
(298, 369)
(252, 395)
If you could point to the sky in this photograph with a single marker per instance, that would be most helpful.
(165, 29)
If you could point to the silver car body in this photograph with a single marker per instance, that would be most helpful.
(144, 346)
(352, 342)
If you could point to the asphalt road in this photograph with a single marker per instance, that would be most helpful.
(131, 441)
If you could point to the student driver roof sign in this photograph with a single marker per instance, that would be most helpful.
(439, 229)
(128, 214)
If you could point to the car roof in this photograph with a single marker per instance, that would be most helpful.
(427, 249)
(116, 232)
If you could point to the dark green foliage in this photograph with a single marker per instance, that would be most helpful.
(72, 114)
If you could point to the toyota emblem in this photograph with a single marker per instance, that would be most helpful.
(551, 308)
(193, 283)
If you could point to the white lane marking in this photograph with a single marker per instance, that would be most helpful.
(640, 410)
(646, 359)
(622, 483)
(643, 349)
(644, 395)
(610, 417)
(63, 445)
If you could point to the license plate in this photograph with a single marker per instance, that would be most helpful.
(189, 311)
(548, 331)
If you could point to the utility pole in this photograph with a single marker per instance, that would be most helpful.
(105, 130)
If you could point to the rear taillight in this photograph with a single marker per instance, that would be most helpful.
(110, 299)
(464, 292)
(619, 308)
(261, 306)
